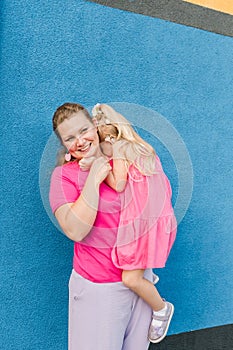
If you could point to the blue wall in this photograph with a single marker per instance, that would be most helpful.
(80, 51)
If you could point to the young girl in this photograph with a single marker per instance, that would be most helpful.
(147, 227)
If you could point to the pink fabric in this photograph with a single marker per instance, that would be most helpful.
(133, 230)
(147, 227)
(92, 257)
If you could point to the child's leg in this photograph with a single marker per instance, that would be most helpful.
(162, 310)
(135, 281)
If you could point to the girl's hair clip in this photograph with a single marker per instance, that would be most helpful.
(96, 110)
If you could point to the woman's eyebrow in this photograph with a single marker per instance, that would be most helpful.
(70, 135)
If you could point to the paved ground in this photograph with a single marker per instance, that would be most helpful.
(217, 338)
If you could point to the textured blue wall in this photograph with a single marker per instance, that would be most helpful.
(58, 51)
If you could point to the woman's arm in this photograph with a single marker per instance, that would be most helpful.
(76, 219)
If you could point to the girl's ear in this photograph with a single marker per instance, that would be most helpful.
(95, 122)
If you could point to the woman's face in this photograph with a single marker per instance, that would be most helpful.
(79, 136)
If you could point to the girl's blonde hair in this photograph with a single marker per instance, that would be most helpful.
(135, 151)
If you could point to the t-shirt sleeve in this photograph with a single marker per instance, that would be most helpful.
(62, 189)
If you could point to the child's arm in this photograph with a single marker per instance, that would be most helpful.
(117, 177)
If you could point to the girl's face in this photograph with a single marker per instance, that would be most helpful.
(79, 136)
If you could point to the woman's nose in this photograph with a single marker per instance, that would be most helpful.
(79, 141)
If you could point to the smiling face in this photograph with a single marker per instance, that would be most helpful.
(79, 136)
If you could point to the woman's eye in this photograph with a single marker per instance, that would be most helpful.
(69, 139)
(84, 130)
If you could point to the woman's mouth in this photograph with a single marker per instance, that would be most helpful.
(84, 149)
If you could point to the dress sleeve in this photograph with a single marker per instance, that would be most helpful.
(63, 189)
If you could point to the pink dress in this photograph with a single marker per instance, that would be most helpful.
(147, 227)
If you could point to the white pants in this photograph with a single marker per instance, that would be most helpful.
(106, 316)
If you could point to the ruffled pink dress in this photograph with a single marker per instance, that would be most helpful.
(147, 227)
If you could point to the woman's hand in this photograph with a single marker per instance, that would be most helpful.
(76, 219)
(99, 170)
(86, 163)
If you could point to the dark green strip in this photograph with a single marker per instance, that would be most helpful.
(217, 338)
(178, 11)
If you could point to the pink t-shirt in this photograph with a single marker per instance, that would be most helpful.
(92, 257)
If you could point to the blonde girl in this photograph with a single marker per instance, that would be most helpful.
(134, 163)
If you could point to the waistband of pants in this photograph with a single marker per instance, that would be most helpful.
(148, 274)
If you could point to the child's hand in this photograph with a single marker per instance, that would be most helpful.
(85, 163)
(106, 148)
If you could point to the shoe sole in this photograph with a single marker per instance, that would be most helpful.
(155, 341)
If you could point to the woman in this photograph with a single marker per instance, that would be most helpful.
(103, 313)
